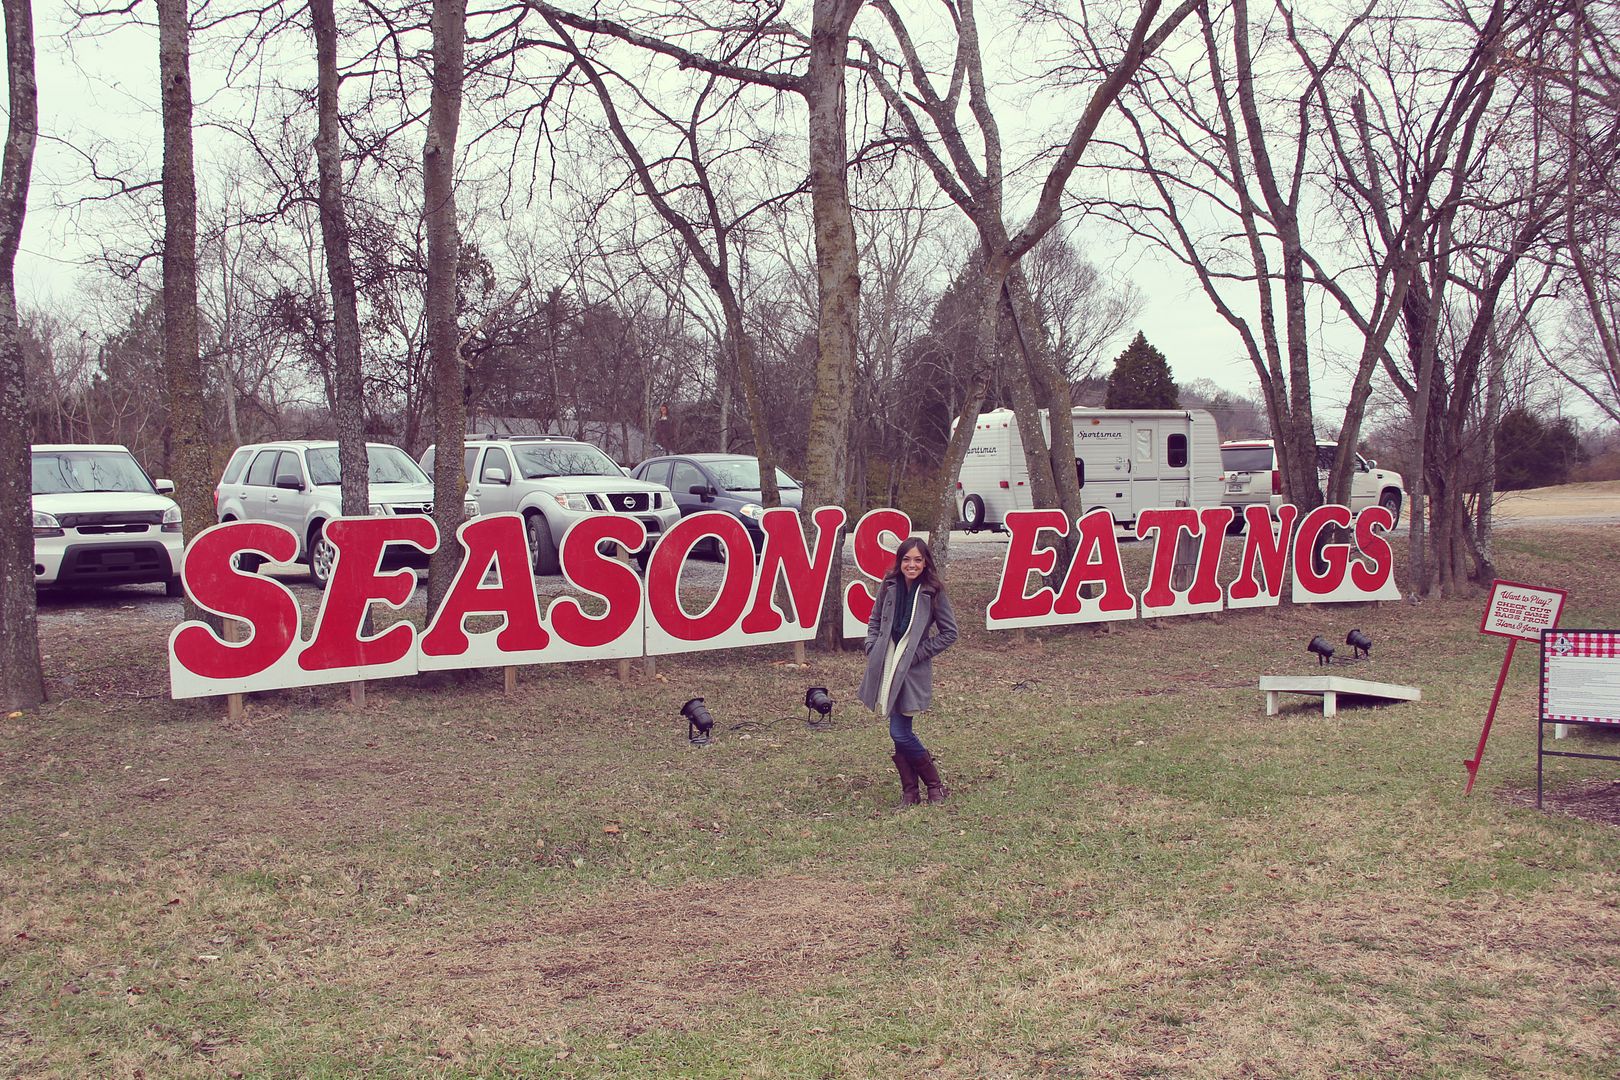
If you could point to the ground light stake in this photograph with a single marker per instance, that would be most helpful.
(698, 722)
(818, 707)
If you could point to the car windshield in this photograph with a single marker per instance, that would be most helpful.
(384, 465)
(58, 472)
(536, 461)
(1246, 458)
(743, 475)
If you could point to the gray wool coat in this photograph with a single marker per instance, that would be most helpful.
(932, 631)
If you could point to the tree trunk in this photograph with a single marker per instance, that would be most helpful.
(350, 411)
(22, 680)
(838, 280)
(444, 248)
(182, 362)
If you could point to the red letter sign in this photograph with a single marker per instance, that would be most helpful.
(200, 663)
(875, 561)
(497, 543)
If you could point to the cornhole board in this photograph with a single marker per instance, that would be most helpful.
(1329, 687)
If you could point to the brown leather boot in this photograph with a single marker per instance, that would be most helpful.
(929, 774)
(909, 795)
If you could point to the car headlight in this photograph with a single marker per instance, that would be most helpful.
(171, 520)
(751, 510)
(376, 510)
(469, 509)
(572, 502)
(45, 525)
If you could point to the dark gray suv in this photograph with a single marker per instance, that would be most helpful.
(728, 482)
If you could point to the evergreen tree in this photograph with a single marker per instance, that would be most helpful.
(1531, 453)
(1141, 379)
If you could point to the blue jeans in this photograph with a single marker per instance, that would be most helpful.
(906, 744)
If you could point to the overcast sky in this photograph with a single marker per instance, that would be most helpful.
(102, 93)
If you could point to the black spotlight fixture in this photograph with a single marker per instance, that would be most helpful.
(698, 722)
(1323, 651)
(1360, 642)
(818, 707)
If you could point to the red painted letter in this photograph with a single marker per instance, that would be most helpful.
(586, 567)
(872, 557)
(496, 541)
(785, 552)
(664, 572)
(1024, 528)
(1264, 550)
(1335, 557)
(1169, 525)
(1371, 525)
(263, 603)
(356, 583)
(1096, 558)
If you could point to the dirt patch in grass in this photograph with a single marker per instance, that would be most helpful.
(1590, 800)
(643, 958)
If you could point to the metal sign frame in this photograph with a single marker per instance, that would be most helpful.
(1600, 645)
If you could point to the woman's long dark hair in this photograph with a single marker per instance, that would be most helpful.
(929, 578)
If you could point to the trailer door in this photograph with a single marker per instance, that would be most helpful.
(1103, 463)
(1147, 466)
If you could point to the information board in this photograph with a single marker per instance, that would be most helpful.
(1580, 684)
(1580, 677)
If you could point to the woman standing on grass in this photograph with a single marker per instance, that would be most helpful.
(911, 624)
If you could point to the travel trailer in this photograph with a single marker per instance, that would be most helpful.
(1128, 460)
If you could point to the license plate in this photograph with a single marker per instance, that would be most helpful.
(1235, 486)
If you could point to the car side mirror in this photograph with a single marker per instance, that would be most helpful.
(496, 476)
(703, 491)
(289, 483)
(1371, 464)
(164, 487)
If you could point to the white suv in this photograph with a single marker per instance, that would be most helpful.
(297, 484)
(1251, 476)
(100, 520)
(554, 481)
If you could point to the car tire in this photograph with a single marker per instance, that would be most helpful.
(542, 548)
(174, 588)
(1391, 501)
(973, 513)
(321, 555)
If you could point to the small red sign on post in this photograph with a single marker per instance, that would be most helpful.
(1519, 613)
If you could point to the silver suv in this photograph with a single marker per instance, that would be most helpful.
(553, 481)
(297, 484)
(100, 520)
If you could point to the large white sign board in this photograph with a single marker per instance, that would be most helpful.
(1580, 677)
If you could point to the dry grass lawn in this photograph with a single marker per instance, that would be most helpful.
(1138, 874)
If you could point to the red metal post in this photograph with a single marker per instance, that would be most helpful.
(1473, 765)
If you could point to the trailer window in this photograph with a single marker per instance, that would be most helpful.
(1176, 452)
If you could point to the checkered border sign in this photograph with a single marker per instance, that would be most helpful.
(1586, 644)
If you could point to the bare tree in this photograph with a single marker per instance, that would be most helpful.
(1579, 84)
(22, 680)
(443, 256)
(709, 233)
(932, 126)
(350, 410)
(189, 456)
